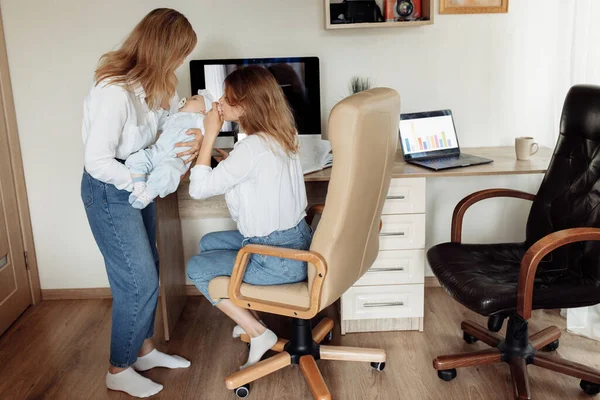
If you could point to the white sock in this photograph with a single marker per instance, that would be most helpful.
(132, 383)
(259, 346)
(239, 331)
(157, 359)
(143, 200)
(138, 189)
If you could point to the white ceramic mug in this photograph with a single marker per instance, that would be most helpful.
(525, 147)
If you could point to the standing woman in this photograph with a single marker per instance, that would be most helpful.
(134, 87)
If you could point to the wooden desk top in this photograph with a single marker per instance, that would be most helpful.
(505, 163)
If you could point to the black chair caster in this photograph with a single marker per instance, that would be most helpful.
(447, 375)
(469, 338)
(551, 346)
(243, 391)
(590, 388)
(379, 366)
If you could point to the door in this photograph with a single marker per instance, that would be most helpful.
(15, 294)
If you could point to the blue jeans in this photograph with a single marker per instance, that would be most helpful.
(127, 240)
(219, 249)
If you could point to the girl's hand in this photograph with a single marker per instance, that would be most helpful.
(194, 146)
(223, 155)
(213, 121)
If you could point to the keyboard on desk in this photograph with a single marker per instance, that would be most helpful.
(455, 161)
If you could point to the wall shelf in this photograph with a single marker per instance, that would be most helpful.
(427, 11)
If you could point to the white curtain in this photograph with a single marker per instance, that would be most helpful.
(578, 49)
(578, 55)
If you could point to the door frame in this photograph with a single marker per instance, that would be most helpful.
(14, 149)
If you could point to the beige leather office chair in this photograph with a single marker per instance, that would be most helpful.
(363, 130)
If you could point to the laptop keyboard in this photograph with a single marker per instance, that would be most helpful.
(445, 161)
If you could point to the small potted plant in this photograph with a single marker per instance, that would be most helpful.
(359, 83)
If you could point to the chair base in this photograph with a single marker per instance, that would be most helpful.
(304, 349)
(518, 350)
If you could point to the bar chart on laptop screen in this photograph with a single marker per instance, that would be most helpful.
(427, 134)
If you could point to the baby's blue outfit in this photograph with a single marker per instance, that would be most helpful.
(160, 160)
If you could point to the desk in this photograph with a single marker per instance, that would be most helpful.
(173, 208)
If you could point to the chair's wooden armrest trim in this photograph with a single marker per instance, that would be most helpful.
(239, 269)
(462, 207)
(314, 210)
(537, 252)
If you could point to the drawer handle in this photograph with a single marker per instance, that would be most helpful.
(3, 261)
(392, 234)
(391, 269)
(386, 304)
(396, 197)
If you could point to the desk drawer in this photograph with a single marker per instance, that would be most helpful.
(405, 196)
(393, 301)
(395, 267)
(402, 232)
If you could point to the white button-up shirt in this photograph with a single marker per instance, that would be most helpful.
(264, 187)
(117, 123)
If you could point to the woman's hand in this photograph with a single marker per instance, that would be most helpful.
(194, 146)
(223, 155)
(213, 121)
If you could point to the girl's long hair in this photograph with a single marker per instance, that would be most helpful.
(150, 55)
(266, 110)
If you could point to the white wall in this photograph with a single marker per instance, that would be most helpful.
(496, 72)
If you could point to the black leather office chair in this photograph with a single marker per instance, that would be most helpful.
(558, 265)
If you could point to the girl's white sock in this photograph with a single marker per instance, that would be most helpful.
(156, 359)
(132, 383)
(259, 346)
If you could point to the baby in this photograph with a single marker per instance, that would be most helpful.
(160, 160)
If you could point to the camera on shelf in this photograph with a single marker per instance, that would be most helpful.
(402, 10)
(355, 11)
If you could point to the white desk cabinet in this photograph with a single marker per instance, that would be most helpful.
(390, 296)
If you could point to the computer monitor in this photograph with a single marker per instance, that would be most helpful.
(297, 76)
(427, 134)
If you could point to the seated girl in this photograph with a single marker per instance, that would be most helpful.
(264, 188)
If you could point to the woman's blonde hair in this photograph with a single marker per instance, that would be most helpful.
(266, 110)
(150, 55)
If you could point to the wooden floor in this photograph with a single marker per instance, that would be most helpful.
(59, 350)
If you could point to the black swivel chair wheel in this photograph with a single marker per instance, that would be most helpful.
(447, 375)
(551, 346)
(243, 391)
(378, 366)
(590, 388)
(469, 338)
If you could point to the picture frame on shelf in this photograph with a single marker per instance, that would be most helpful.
(473, 6)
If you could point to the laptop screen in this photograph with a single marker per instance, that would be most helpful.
(428, 134)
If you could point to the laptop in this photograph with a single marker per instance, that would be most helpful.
(429, 139)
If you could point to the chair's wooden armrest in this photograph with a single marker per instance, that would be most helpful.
(239, 269)
(314, 210)
(464, 204)
(537, 252)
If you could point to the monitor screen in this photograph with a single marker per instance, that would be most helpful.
(428, 133)
(298, 78)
